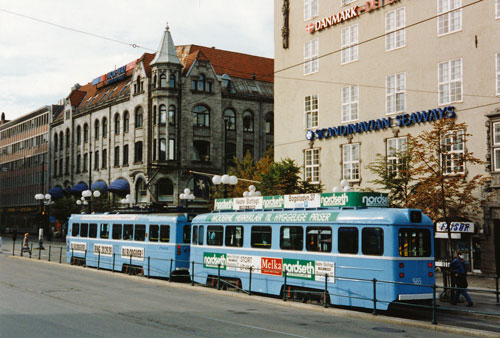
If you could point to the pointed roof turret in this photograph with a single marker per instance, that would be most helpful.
(166, 51)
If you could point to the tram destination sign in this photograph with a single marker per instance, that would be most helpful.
(304, 201)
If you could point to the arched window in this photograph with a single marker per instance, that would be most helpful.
(248, 121)
(154, 81)
(138, 152)
(163, 80)
(163, 149)
(96, 160)
(125, 121)
(104, 127)
(78, 135)
(269, 123)
(138, 117)
(61, 141)
(55, 145)
(171, 81)
(201, 151)
(230, 119)
(96, 129)
(164, 190)
(139, 84)
(171, 115)
(117, 124)
(141, 192)
(68, 138)
(85, 133)
(154, 115)
(201, 117)
(163, 114)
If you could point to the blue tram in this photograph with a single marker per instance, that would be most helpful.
(349, 246)
(153, 244)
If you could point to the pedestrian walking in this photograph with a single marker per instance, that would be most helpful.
(459, 270)
(26, 244)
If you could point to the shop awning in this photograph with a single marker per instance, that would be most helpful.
(56, 192)
(78, 188)
(99, 185)
(119, 187)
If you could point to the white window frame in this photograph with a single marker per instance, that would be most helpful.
(311, 9)
(496, 145)
(349, 39)
(395, 34)
(451, 22)
(351, 162)
(349, 97)
(453, 152)
(311, 165)
(395, 93)
(311, 111)
(497, 59)
(395, 146)
(346, 2)
(311, 53)
(448, 82)
(497, 9)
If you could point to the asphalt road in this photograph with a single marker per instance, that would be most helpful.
(42, 299)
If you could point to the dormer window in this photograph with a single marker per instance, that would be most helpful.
(201, 84)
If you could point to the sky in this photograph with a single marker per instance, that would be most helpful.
(40, 62)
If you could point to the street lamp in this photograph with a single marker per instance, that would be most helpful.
(86, 198)
(44, 200)
(252, 192)
(344, 186)
(226, 180)
(187, 195)
(127, 200)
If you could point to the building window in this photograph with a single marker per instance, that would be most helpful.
(449, 21)
(163, 80)
(350, 164)
(104, 158)
(311, 111)
(104, 127)
(201, 151)
(269, 124)
(496, 146)
(138, 117)
(310, 9)
(165, 190)
(171, 81)
(453, 152)
(312, 165)
(78, 163)
(163, 115)
(395, 93)
(67, 138)
(163, 149)
(201, 85)
(61, 141)
(126, 119)
(395, 150)
(347, 2)
(450, 81)
(66, 167)
(55, 143)
(395, 35)
(96, 129)
(498, 70)
(117, 124)
(311, 53)
(350, 103)
(201, 117)
(141, 191)
(78, 135)
(171, 149)
(497, 10)
(55, 168)
(125, 154)
(248, 121)
(117, 156)
(349, 44)
(85, 162)
(230, 119)
(247, 148)
(171, 115)
(85, 133)
(138, 152)
(96, 160)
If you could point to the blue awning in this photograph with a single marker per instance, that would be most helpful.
(119, 187)
(56, 192)
(78, 188)
(99, 185)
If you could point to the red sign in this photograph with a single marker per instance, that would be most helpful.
(271, 266)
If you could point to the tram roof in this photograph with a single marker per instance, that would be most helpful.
(129, 217)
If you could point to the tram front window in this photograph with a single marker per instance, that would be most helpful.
(75, 230)
(414, 243)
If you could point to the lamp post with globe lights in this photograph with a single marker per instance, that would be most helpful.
(44, 217)
(86, 198)
(252, 192)
(186, 196)
(127, 200)
(344, 186)
(225, 180)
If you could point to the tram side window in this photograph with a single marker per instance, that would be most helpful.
(319, 239)
(93, 230)
(195, 235)
(140, 232)
(348, 240)
(153, 233)
(117, 231)
(372, 241)
(261, 237)
(84, 230)
(128, 232)
(75, 230)
(215, 235)
(414, 243)
(186, 234)
(165, 233)
(200, 235)
(234, 236)
(104, 233)
(292, 238)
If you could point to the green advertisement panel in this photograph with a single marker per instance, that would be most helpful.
(354, 199)
(212, 260)
(299, 268)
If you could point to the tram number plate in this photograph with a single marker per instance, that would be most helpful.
(417, 281)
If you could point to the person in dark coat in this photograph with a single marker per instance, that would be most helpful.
(459, 271)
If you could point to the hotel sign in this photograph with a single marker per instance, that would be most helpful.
(347, 15)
